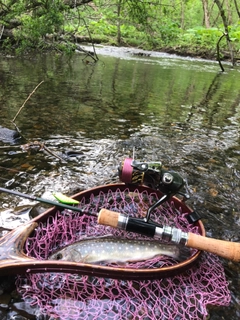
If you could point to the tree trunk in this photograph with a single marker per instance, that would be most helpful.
(229, 12)
(225, 23)
(237, 9)
(182, 14)
(206, 13)
(119, 4)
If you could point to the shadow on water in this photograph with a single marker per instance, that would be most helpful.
(178, 111)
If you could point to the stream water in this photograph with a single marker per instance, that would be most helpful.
(182, 112)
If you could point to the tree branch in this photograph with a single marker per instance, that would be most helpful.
(13, 120)
(218, 52)
(75, 3)
(226, 34)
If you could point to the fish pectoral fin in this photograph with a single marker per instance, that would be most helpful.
(122, 263)
(76, 256)
(85, 259)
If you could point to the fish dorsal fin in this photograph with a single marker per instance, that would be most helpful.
(105, 236)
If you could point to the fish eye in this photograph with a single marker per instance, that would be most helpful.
(59, 256)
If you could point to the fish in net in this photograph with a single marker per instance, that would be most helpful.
(74, 296)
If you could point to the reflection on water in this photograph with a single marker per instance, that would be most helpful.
(181, 112)
(115, 96)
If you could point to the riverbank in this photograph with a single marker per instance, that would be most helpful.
(203, 51)
(63, 45)
(128, 52)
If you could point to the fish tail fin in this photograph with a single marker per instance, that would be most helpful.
(184, 253)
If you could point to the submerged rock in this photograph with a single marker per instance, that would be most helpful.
(9, 136)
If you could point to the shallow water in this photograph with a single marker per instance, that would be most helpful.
(183, 112)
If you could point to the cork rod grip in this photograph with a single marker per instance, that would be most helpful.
(108, 218)
(225, 249)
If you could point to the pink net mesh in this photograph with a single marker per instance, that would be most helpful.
(73, 297)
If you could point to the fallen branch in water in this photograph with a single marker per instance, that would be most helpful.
(36, 146)
(13, 120)
(52, 153)
(33, 146)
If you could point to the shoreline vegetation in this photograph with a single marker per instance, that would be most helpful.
(195, 28)
(62, 44)
(203, 52)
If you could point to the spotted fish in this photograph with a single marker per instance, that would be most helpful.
(114, 250)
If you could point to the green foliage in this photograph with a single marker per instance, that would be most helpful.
(34, 21)
(138, 11)
(234, 33)
(207, 38)
(147, 24)
(7, 45)
(169, 32)
(201, 36)
(103, 28)
(34, 26)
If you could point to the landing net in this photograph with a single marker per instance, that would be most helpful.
(73, 296)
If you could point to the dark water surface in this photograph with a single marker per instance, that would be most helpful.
(182, 112)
